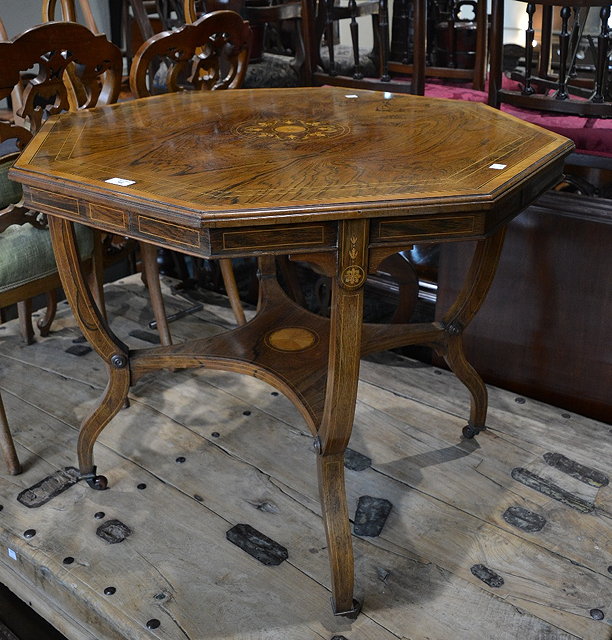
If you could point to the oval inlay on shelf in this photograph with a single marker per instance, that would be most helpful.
(292, 339)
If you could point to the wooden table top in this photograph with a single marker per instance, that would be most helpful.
(265, 156)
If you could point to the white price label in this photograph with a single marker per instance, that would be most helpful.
(122, 182)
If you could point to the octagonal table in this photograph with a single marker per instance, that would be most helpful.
(336, 178)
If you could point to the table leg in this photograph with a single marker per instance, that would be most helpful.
(458, 317)
(112, 351)
(339, 411)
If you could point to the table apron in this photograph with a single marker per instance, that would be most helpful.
(298, 238)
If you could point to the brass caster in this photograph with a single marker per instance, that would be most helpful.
(99, 483)
(470, 430)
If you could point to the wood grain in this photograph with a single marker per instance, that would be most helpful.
(333, 157)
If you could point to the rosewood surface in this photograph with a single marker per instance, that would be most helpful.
(340, 179)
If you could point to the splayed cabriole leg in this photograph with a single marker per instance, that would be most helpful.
(456, 360)
(112, 351)
(338, 532)
(339, 411)
(468, 302)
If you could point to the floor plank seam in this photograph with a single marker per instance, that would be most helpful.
(460, 416)
(6, 391)
(521, 599)
(53, 372)
(142, 400)
(493, 524)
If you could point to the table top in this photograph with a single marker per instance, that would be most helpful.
(265, 156)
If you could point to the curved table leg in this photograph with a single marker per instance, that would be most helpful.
(112, 351)
(459, 365)
(339, 411)
(477, 284)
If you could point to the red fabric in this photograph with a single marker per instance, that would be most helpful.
(590, 135)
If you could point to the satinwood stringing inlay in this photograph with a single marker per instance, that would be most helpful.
(291, 129)
(292, 339)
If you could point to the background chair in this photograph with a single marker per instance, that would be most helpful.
(264, 17)
(6, 441)
(429, 39)
(7, 445)
(147, 252)
(210, 54)
(68, 12)
(27, 265)
(565, 83)
(548, 312)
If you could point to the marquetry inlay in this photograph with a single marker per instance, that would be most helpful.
(353, 277)
(291, 129)
(292, 339)
(352, 254)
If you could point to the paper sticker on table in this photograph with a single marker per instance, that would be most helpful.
(498, 166)
(11, 553)
(351, 95)
(122, 182)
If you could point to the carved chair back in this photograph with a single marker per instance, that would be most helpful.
(51, 49)
(58, 66)
(263, 18)
(212, 53)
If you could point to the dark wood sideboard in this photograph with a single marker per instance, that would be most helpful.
(545, 330)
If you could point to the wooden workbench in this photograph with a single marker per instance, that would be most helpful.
(418, 578)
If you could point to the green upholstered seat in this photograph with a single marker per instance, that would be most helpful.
(25, 251)
(10, 192)
(26, 254)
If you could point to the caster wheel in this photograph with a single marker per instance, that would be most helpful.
(99, 483)
(469, 431)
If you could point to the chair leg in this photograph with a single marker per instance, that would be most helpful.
(292, 284)
(24, 310)
(231, 288)
(7, 445)
(151, 274)
(44, 323)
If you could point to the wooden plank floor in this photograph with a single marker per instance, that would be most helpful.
(248, 459)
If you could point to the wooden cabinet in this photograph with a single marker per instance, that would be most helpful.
(545, 330)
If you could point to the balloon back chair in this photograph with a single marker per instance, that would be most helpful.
(210, 54)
